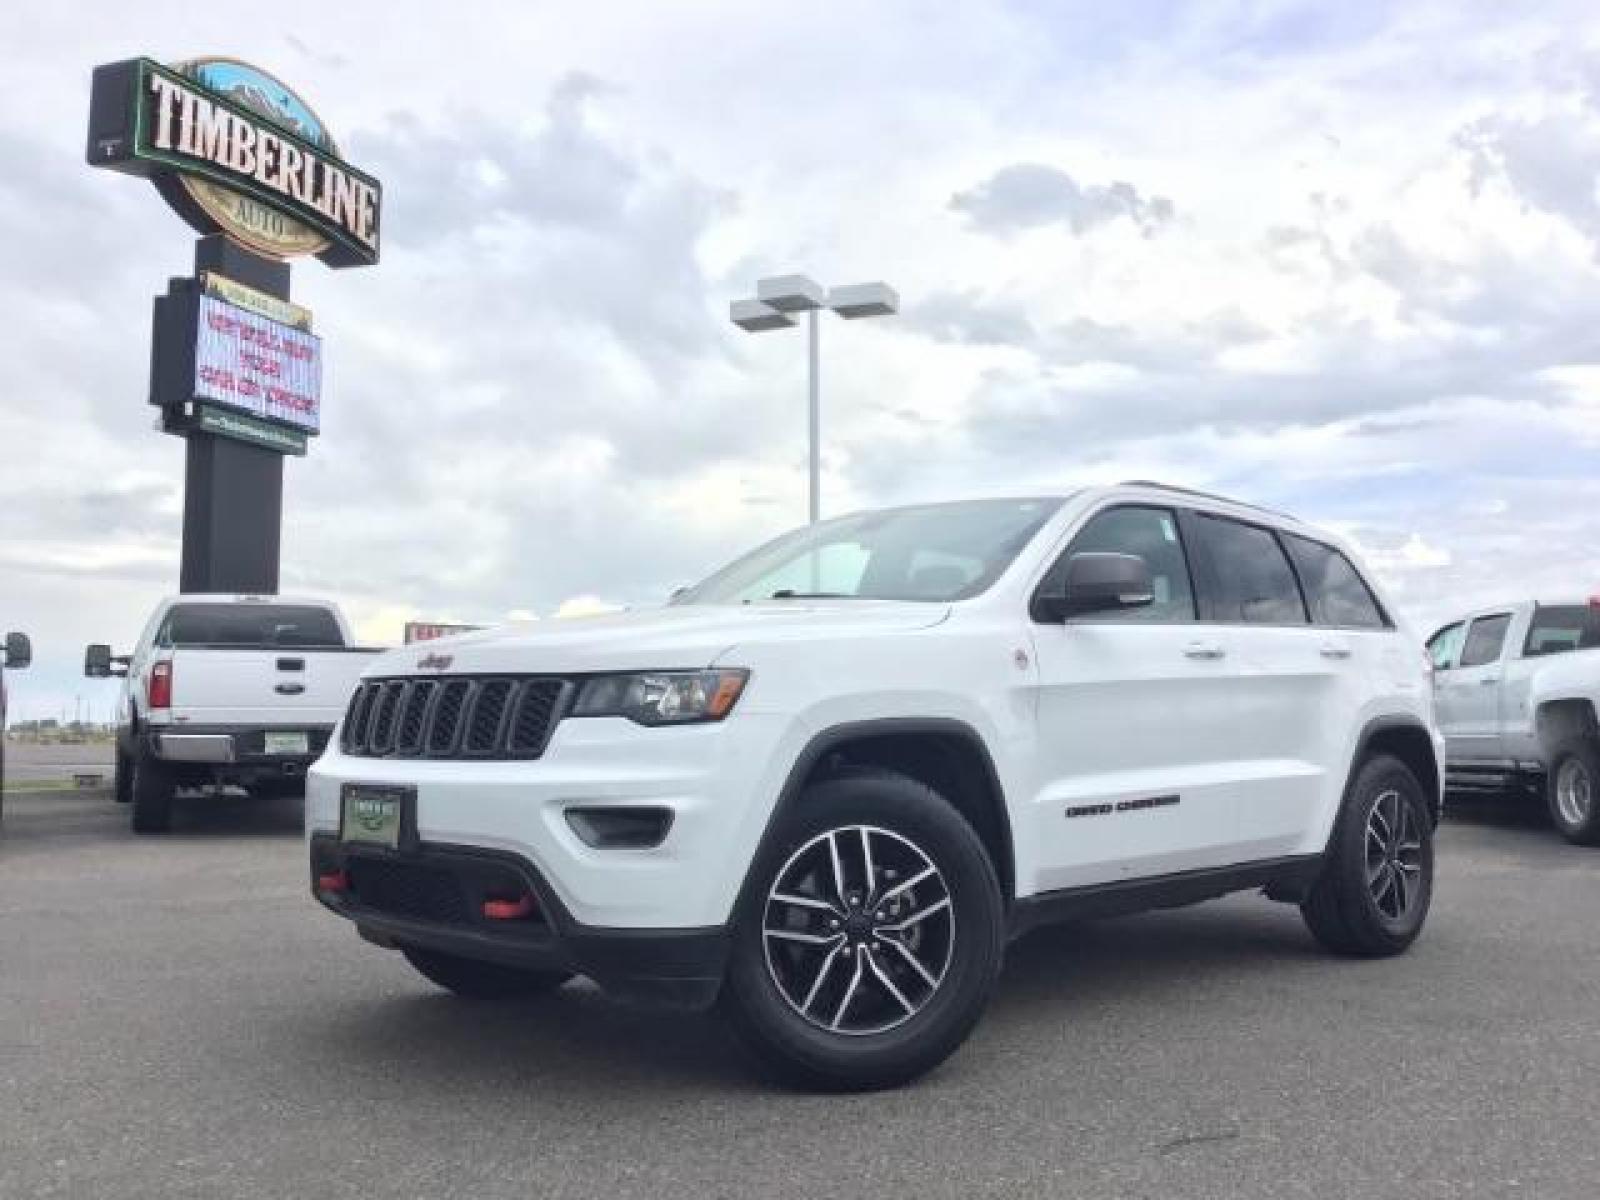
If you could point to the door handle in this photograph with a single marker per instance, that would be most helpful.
(1204, 650)
(1334, 650)
(1489, 681)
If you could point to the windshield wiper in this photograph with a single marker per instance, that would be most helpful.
(792, 594)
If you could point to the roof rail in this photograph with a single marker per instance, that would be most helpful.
(1188, 491)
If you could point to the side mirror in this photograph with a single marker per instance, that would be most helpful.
(97, 661)
(1097, 582)
(19, 650)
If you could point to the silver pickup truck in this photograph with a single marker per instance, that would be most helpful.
(17, 654)
(1515, 691)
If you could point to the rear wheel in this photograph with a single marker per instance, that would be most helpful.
(1573, 790)
(152, 789)
(477, 980)
(122, 779)
(1377, 877)
(869, 937)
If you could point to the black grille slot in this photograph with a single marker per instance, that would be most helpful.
(355, 718)
(408, 738)
(493, 717)
(419, 892)
(385, 711)
(486, 716)
(446, 723)
(537, 705)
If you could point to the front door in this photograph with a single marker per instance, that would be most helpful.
(1470, 693)
(1135, 721)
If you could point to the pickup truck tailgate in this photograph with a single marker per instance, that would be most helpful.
(263, 687)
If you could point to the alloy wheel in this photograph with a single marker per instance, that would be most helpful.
(1394, 856)
(1573, 794)
(858, 930)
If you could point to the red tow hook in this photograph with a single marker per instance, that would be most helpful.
(509, 910)
(333, 881)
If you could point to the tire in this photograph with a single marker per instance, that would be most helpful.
(811, 1014)
(1571, 790)
(122, 779)
(1377, 878)
(476, 980)
(151, 792)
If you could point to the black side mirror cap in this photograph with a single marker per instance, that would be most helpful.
(1098, 582)
(19, 651)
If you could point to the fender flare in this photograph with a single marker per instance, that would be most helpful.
(815, 750)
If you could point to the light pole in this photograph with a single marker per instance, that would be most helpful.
(776, 300)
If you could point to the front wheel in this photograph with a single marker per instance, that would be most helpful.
(477, 980)
(1573, 781)
(1377, 876)
(868, 939)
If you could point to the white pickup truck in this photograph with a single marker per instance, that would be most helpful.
(1515, 689)
(17, 653)
(225, 689)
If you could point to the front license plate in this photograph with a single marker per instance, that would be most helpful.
(293, 742)
(372, 816)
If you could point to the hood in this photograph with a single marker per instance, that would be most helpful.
(688, 636)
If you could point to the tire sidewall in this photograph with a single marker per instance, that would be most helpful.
(1587, 753)
(764, 1016)
(1379, 775)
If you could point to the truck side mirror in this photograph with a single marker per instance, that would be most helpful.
(1098, 582)
(97, 661)
(19, 650)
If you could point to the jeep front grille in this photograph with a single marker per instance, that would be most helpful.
(487, 717)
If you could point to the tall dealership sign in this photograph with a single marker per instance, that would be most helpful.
(235, 368)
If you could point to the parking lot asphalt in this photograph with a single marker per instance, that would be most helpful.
(179, 1019)
(30, 763)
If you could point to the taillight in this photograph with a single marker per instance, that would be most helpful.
(160, 695)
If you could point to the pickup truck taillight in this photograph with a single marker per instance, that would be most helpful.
(160, 695)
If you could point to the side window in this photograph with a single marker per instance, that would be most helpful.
(1151, 534)
(1444, 646)
(1334, 588)
(1251, 579)
(1484, 640)
(1558, 628)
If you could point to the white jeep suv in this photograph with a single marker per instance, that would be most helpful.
(826, 786)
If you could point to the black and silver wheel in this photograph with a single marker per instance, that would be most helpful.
(476, 980)
(152, 791)
(1377, 877)
(869, 936)
(1572, 785)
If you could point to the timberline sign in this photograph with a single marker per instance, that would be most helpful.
(236, 151)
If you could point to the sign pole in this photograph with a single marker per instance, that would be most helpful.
(233, 491)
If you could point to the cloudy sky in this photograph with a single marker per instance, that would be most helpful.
(1340, 259)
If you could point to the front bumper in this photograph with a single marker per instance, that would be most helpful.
(718, 784)
(235, 746)
(433, 898)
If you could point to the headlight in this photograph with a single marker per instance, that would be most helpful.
(661, 697)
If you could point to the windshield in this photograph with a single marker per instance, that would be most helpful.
(934, 552)
(266, 626)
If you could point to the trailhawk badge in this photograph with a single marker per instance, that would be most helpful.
(435, 662)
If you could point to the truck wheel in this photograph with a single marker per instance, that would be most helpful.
(151, 789)
(1377, 875)
(477, 980)
(122, 779)
(1573, 780)
(868, 937)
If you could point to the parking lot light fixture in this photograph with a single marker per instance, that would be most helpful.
(776, 298)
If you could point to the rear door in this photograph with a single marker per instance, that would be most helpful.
(1134, 719)
(1471, 691)
(1289, 686)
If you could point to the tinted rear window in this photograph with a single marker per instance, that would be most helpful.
(1562, 627)
(1336, 591)
(1251, 580)
(271, 626)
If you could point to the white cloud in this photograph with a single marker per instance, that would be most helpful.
(1338, 259)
